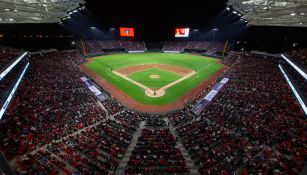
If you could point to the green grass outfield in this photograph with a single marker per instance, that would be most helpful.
(204, 66)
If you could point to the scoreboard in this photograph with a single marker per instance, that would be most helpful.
(182, 32)
(126, 32)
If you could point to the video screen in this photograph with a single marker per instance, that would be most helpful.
(126, 32)
(182, 32)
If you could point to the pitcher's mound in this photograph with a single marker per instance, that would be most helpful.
(154, 76)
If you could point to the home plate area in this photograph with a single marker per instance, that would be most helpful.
(154, 78)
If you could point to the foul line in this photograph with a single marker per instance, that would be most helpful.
(132, 81)
(179, 80)
(161, 89)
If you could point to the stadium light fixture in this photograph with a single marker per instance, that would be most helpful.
(234, 12)
(70, 13)
(300, 71)
(215, 29)
(292, 14)
(7, 10)
(75, 11)
(299, 99)
(93, 31)
(227, 8)
(301, 23)
(7, 70)
(8, 100)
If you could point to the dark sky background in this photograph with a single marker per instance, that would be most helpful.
(155, 21)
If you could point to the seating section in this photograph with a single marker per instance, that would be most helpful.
(208, 48)
(296, 78)
(50, 104)
(93, 150)
(112, 44)
(231, 58)
(178, 46)
(156, 151)
(254, 124)
(97, 47)
(7, 56)
(133, 45)
(299, 56)
(113, 106)
(90, 47)
(9, 81)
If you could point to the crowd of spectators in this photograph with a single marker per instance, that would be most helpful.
(178, 46)
(113, 106)
(8, 55)
(156, 151)
(57, 127)
(133, 45)
(97, 47)
(253, 126)
(208, 48)
(52, 103)
(94, 150)
(90, 47)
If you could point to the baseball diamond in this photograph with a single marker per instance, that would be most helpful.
(154, 79)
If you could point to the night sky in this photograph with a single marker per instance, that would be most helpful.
(156, 21)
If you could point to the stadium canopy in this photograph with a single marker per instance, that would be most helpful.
(36, 11)
(272, 12)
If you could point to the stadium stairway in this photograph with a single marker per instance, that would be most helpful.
(188, 160)
(123, 163)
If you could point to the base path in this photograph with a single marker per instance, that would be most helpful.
(160, 92)
(134, 105)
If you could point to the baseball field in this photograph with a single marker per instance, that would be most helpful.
(154, 79)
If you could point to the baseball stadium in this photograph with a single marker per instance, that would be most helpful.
(91, 87)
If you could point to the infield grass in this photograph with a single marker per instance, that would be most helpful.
(204, 66)
(165, 77)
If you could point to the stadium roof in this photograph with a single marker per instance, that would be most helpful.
(36, 11)
(272, 12)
